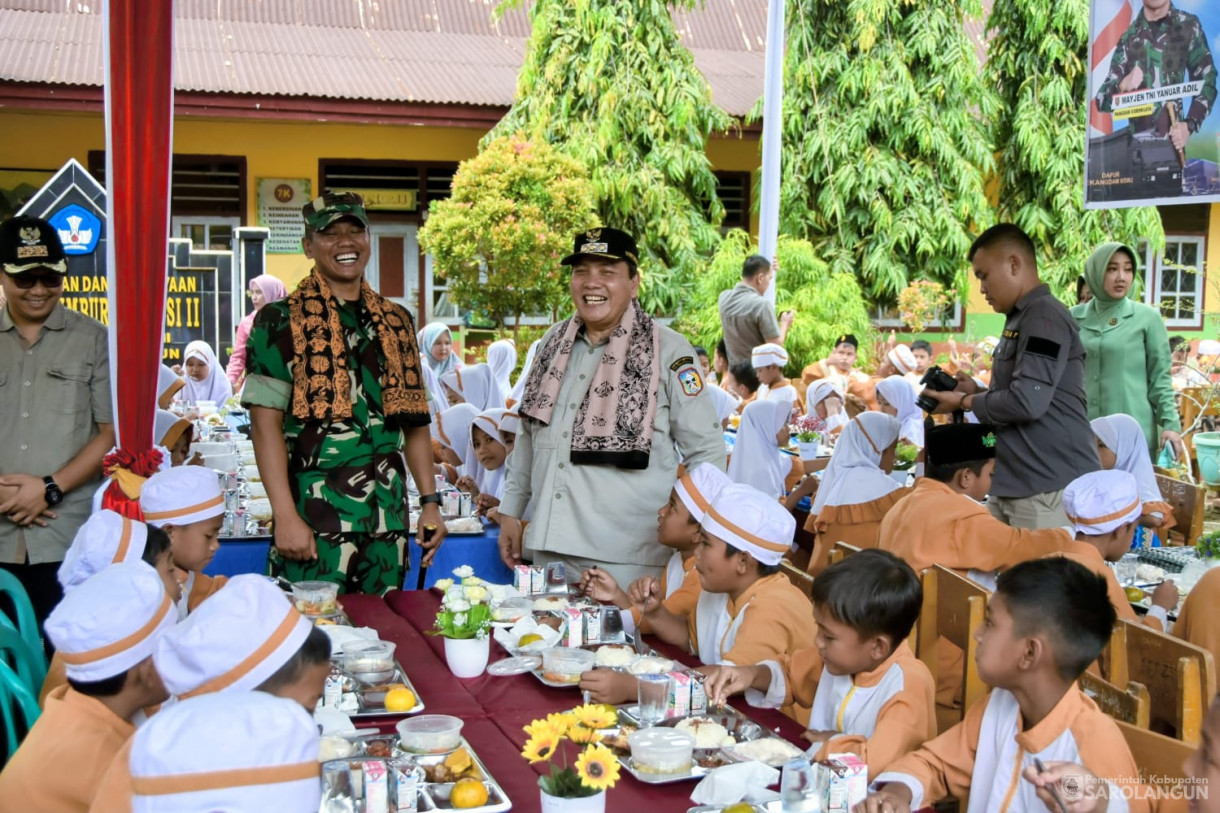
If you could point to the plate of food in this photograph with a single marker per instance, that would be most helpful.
(768, 750)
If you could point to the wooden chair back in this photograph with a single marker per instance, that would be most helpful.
(1187, 502)
(1161, 758)
(1131, 706)
(844, 550)
(1181, 679)
(953, 608)
(799, 578)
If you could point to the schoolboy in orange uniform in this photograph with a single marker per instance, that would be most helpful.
(186, 502)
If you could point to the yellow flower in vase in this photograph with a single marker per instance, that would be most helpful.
(597, 768)
(581, 735)
(595, 716)
(541, 747)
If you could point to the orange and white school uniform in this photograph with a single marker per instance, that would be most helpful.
(1123, 435)
(234, 643)
(243, 751)
(819, 392)
(756, 460)
(983, 756)
(855, 494)
(106, 626)
(879, 715)
(1199, 620)
(181, 496)
(768, 355)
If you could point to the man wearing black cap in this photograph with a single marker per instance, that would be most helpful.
(611, 400)
(336, 403)
(747, 317)
(56, 421)
(840, 368)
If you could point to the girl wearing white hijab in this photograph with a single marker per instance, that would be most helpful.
(490, 454)
(816, 400)
(1121, 445)
(895, 393)
(518, 390)
(857, 490)
(205, 378)
(502, 359)
(475, 385)
(452, 429)
(440, 358)
(757, 460)
(436, 394)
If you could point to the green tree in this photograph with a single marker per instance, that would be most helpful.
(498, 239)
(1037, 59)
(610, 83)
(885, 154)
(828, 303)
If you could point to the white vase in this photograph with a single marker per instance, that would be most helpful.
(809, 451)
(467, 657)
(581, 804)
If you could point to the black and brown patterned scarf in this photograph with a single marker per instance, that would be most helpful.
(321, 388)
(615, 423)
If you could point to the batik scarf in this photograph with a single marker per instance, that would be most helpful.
(321, 389)
(615, 423)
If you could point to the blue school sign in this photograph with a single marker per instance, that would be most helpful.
(79, 229)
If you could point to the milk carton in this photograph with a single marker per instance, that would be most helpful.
(678, 704)
(842, 781)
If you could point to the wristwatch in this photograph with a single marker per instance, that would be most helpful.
(54, 495)
(433, 498)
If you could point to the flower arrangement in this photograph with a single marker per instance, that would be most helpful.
(921, 302)
(464, 611)
(905, 456)
(1208, 546)
(809, 429)
(596, 768)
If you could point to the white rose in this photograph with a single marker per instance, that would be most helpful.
(458, 605)
(476, 593)
(459, 619)
(443, 584)
(463, 572)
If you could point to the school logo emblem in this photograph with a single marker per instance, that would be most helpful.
(989, 440)
(691, 381)
(79, 229)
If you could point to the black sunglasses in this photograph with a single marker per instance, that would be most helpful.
(49, 280)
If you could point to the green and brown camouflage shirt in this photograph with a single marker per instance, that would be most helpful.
(347, 476)
(1169, 51)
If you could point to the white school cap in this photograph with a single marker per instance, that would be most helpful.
(767, 354)
(902, 358)
(237, 752)
(105, 539)
(181, 495)
(111, 622)
(752, 521)
(1100, 501)
(698, 487)
(237, 639)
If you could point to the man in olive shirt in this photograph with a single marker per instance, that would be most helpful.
(746, 316)
(613, 403)
(1037, 397)
(55, 403)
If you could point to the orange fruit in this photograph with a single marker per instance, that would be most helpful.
(529, 638)
(468, 793)
(399, 698)
(459, 762)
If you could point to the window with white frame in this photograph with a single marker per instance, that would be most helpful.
(206, 233)
(888, 317)
(1175, 281)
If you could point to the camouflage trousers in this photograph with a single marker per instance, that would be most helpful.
(358, 562)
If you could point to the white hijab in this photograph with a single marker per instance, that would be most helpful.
(477, 385)
(436, 396)
(1122, 435)
(216, 386)
(854, 475)
(519, 387)
(502, 359)
(725, 402)
(901, 396)
(490, 482)
(822, 389)
(757, 460)
(453, 430)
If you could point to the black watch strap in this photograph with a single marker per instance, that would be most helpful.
(435, 499)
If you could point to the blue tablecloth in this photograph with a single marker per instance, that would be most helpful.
(241, 555)
(481, 552)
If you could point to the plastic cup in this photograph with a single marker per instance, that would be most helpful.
(653, 697)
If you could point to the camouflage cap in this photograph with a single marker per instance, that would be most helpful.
(321, 212)
(29, 243)
(609, 243)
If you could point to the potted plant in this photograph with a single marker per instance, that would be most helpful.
(810, 432)
(464, 620)
(580, 787)
(905, 456)
(1208, 548)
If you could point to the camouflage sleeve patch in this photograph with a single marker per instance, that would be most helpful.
(690, 380)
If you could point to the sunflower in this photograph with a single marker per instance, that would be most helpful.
(597, 768)
(561, 722)
(545, 728)
(541, 746)
(582, 735)
(595, 716)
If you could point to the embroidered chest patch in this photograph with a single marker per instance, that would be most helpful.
(691, 381)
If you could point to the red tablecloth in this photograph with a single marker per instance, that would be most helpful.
(495, 708)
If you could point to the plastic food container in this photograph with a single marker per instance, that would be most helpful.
(369, 661)
(511, 609)
(661, 751)
(564, 665)
(316, 598)
(430, 733)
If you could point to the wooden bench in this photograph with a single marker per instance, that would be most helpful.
(1131, 706)
(1180, 677)
(802, 580)
(1187, 501)
(953, 609)
(840, 551)
(1161, 758)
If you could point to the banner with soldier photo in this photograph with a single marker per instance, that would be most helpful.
(1153, 137)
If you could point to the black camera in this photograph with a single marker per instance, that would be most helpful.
(937, 380)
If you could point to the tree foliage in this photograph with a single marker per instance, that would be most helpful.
(1037, 60)
(885, 154)
(498, 239)
(828, 303)
(610, 84)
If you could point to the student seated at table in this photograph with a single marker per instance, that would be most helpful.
(105, 539)
(189, 506)
(236, 752)
(1047, 621)
(869, 695)
(105, 630)
(757, 460)
(1121, 445)
(489, 451)
(452, 429)
(1199, 619)
(769, 361)
(474, 384)
(510, 425)
(247, 637)
(1104, 507)
(747, 383)
(825, 399)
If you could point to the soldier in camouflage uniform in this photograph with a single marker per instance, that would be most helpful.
(344, 452)
(1164, 46)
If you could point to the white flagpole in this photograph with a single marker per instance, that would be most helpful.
(773, 103)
